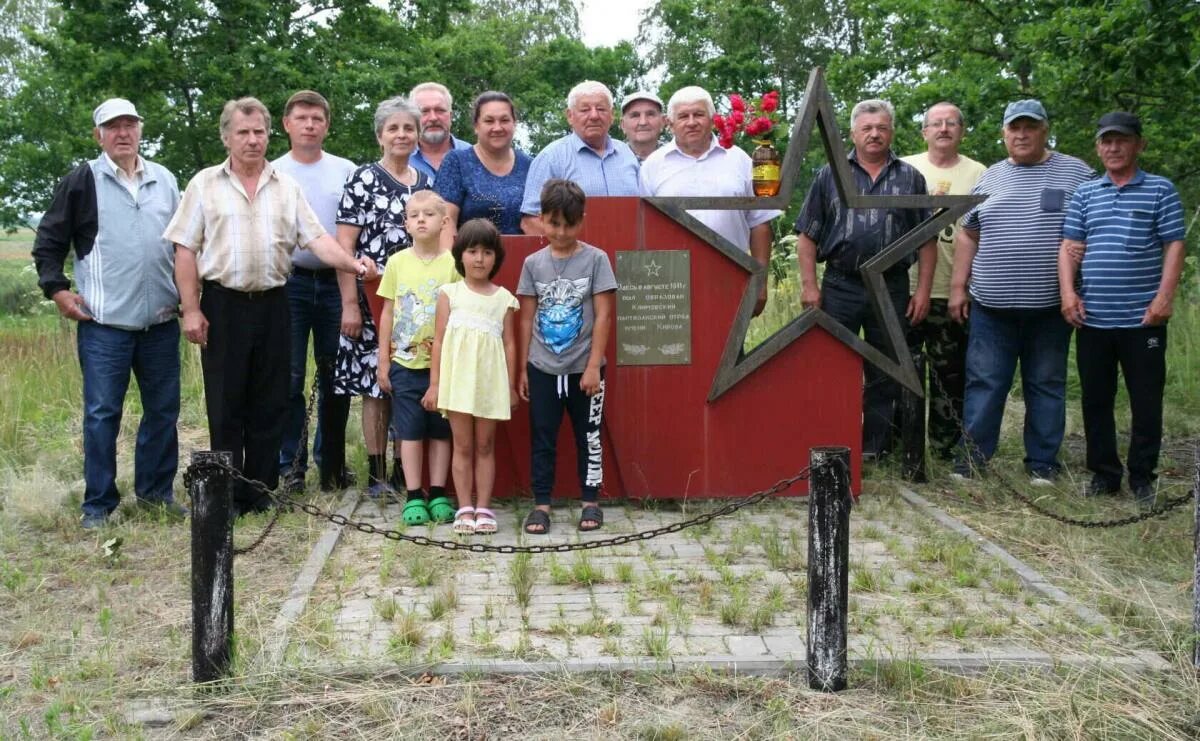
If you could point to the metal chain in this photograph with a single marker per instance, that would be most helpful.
(282, 501)
(1159, 509)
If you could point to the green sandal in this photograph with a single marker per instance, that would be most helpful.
(441, 510)
(416, 512)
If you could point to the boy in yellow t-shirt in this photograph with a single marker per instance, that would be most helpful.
(409, 290)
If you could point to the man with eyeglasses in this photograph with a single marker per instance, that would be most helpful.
(942, 341)
(435, 140)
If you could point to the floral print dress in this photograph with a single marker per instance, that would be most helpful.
(374, 201)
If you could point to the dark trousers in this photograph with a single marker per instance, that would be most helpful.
(1141, 353)
(943, 343)
(844, 297)
(315, 305)
(246, 382)
(549, 395)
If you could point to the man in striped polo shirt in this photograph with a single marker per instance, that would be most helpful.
(1007, 250)
(1128, 228)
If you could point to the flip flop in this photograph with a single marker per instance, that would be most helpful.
(415, 512)
(537, 517)
(485, 521)
(462, 525)
(440, 510)
(593, 513)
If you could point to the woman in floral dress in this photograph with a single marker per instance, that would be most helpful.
(371, 224)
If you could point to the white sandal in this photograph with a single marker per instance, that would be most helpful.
(485, 521)
(462, 525)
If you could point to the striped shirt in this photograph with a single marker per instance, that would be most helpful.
(1020, 230)
(1125, 228)
(570, 158)
(243, 244)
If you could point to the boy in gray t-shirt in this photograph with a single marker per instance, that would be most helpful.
(566, 293)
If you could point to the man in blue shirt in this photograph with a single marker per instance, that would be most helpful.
(599, 164)
(435, 141)
(1127, 226)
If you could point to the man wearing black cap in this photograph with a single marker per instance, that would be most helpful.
(1006, 254)
(112, 212)
(642, 122)
(1127, 226)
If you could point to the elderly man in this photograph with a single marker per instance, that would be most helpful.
(112, 211)
(599, 164)
(314, 300)
(942, 340)
(845, 238)
(435, 140)
(693, 164)
(1129, 226)
(234, 234)
(1007, 250)
(642, 122)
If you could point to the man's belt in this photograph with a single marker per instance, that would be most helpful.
(212, 285)
(322, 273)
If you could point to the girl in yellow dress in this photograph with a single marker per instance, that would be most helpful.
(473, 373)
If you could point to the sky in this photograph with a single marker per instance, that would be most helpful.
(605, 22)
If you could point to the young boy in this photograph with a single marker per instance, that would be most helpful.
(567, 291)
(409, 289)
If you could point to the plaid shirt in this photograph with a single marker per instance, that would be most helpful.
(243, 244)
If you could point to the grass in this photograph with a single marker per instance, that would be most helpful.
(83, 633)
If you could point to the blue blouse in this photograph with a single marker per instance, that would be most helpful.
(465, 182)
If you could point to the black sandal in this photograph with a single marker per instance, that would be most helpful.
(537, 517)
(593, 513)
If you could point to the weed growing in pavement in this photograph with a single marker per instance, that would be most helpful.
(443, 602)
(521, 577)
(584, 572)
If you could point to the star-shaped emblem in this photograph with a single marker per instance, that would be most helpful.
(652, 268)
(817, 108)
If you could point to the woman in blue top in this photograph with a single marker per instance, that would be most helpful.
(486, 180)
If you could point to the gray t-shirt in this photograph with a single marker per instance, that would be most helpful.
(562, 324)
(322, 183)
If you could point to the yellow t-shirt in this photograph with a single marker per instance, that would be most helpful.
(943, 181)
(411, 283)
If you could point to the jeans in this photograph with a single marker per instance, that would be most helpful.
(1040, 340)
(844, 298)
(549, 395)
(1141, 354)
(315, 305)
(106, 357)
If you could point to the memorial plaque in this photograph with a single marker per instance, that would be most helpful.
(654, 307)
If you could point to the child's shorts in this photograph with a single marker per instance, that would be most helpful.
(409, 418)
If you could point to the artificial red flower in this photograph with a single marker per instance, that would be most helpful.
(736, 102)
(738, 118)
(769, 103)
(719, 122)
(725, 140)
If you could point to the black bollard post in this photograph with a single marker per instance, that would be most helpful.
(828, 566)
(212, 568)
(1196, 573)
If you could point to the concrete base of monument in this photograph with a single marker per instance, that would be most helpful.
(728, 596)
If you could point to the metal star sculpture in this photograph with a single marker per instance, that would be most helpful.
(734, 366)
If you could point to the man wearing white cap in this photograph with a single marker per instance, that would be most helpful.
(642, 121)
(112, 212)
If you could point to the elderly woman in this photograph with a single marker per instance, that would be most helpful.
(370, 223)
(488, 179)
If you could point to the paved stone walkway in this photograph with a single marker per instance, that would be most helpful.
(731, 592)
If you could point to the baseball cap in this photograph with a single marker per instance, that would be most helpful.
(641, 95)
(1120, 122)
(1028, 108)
(113, 108)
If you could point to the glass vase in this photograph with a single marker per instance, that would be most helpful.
(767, 162)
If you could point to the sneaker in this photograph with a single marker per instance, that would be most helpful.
(93, 522)
(1042, 477)
(380, 489)
(1099, 487)
(168, 507)
(959, 476)
(1145, 496)
(292, 482)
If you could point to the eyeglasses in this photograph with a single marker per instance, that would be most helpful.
(948, 123)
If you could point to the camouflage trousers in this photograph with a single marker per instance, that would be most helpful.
(939, 344)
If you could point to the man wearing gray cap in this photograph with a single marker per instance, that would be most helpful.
(1127, 226)
(1006, 254)
(112, 212)
(642, 122)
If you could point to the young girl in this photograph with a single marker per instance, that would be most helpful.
(473, 372)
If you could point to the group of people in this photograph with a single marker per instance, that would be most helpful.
(1052, 249)
(389, 266)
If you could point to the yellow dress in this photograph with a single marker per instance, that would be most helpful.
(473, 376)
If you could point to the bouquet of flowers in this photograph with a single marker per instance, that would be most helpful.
(757, 120)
